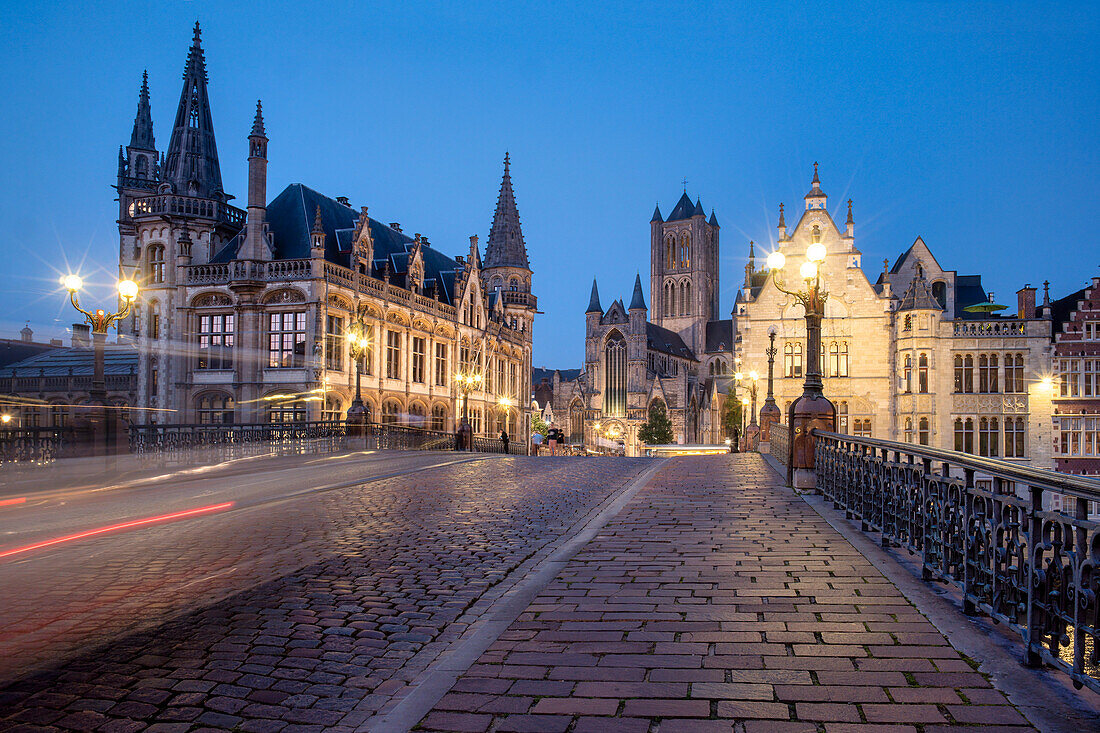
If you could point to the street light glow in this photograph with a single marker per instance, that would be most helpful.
(776, 260)
(72, 283)
(808, 270)
(5, 418)
(816, 252)
(128, 289)
(753, 375)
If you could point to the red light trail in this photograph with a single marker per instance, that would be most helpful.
(116, 527)
(10, 502)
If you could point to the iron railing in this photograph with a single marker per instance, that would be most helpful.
(34, 445)
(997, 541)
(403, 437)
(175, 441)
(779, 442)
(494, 445)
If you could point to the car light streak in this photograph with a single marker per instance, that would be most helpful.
(11, 502)
(117, 527)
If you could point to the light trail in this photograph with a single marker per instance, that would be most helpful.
(117, 527)
(11, 502)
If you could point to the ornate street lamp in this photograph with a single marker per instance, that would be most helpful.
(100, 321)
(770, 412)
(812, 410)
(358, 337)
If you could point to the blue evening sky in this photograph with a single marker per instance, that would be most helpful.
(971, 124)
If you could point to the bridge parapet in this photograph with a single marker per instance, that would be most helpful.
(986, 527)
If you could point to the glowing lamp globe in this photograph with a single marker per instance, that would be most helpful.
(72, 283)
(808, 270)
(754, 376)
(738, 376)
(364, 342)
(776, 260)
(128, 289)
(816, 252)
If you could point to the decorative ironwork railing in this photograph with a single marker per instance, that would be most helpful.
(494, 445)
(34, 445)
(780, 442)
(174, 441)
(191, 206)
(991, 328)
(998, 542)
(403, 437)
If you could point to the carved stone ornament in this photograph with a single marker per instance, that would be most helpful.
(285, 296)
(212, 299)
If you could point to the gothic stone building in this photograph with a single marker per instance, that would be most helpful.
(917, 355)
(243, 313)
(678, 351)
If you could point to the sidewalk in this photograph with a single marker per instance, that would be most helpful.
(718, 600)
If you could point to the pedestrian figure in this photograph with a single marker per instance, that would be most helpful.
(504, 440)
(536, 441)
(553, 436)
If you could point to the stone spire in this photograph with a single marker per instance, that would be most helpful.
(142, 136)
(505, 247)
(750, 267)
(782, 220)
(656, 214)
(255, 245)
(192, 163)
(637, 300)
(850, 211)
(317, 235)
(594, 300)
(851, 227)
(815, 199)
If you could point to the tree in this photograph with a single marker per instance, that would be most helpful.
(538, 425)
(657, 430)
(731, 418)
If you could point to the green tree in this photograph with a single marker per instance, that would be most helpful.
(657, 430)
(731, 418)
(538, 425)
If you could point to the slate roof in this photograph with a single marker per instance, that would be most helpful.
(638, 298)
(117, 359)
(918, 296)
(290, 218)
(684, 209)
(594, 300)
(656, 214)
(16, 350)
(667, 342)
(719, 336)
(969, 291)
(505, 247)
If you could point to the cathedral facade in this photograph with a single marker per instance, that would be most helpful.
(918, 355)
(243, 313)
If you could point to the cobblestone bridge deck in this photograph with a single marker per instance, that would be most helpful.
(538, 594)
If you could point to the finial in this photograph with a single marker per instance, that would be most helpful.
(782, 221)
(507, 162)
(416, 240)
(685, 182)
(886, 267)
(258, 122)
(752, 254)
(198, 35)
(815, 173)
(1046, 292)
(145, 82)
(849, 211)
(318, 227)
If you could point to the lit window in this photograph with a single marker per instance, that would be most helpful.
(156, 263)
(334, 343)
(216, 341)
(393, 355)
(215, 409)
(286, 345)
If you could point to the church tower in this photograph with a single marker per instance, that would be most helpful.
(506, 269)
(684, 271)
(192, 163)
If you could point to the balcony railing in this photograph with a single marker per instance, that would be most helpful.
(235, 440)
(34, 445)
(186, 206)
(517, 298)
(991, 328)
(1036, 570)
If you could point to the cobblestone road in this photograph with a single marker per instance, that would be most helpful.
(717, 601)
(394, 565)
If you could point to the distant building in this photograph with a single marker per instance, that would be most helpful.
(243, 313)
(47, 387)
(1076, 323)
(919, 355)
(13, 350)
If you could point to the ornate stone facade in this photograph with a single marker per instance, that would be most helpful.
(243, 315)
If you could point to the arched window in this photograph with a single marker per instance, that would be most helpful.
(576, 423)
(215, 409)
(988, 430)
(391, 411)
(685, 298)
(939, 292)
(671, 299)
(417, 416)
(670, 252)
(1014, 377)
(513, 285)
(922, 374)
(968, 374)
(843, 361)
(964, 435)
(141, 167)
(908, 430)
(908, 374)
(286, 409)
(1014, 437)
(923, 431)
(685, 250)
(614, 399)
(834, 359)
(439, 417)
(156, 263)
(842, 417)
(154, 320)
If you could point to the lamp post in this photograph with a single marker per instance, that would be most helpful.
(101, 321)
(769, 413)
(358, 342)
(467, 383)
(812, 410)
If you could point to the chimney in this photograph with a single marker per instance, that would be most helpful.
(1025, 299)
(396, 226)
(343, 200)
(82, 336)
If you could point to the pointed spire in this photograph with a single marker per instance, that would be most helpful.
(850, 211)
(505, 247)
(637, 300)
(1046, 292)
(782, 221)
(258, 123)
(699, 208)
(816, 195)
(713, 219)
(318, 225)
(816, 181)
(752, 252)
(142, 136)
(684, 209)
(192, 164)
(656, 214)
(594, 300)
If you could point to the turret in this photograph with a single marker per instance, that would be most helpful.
(255, 244)
(192, 163)
(815, 199)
